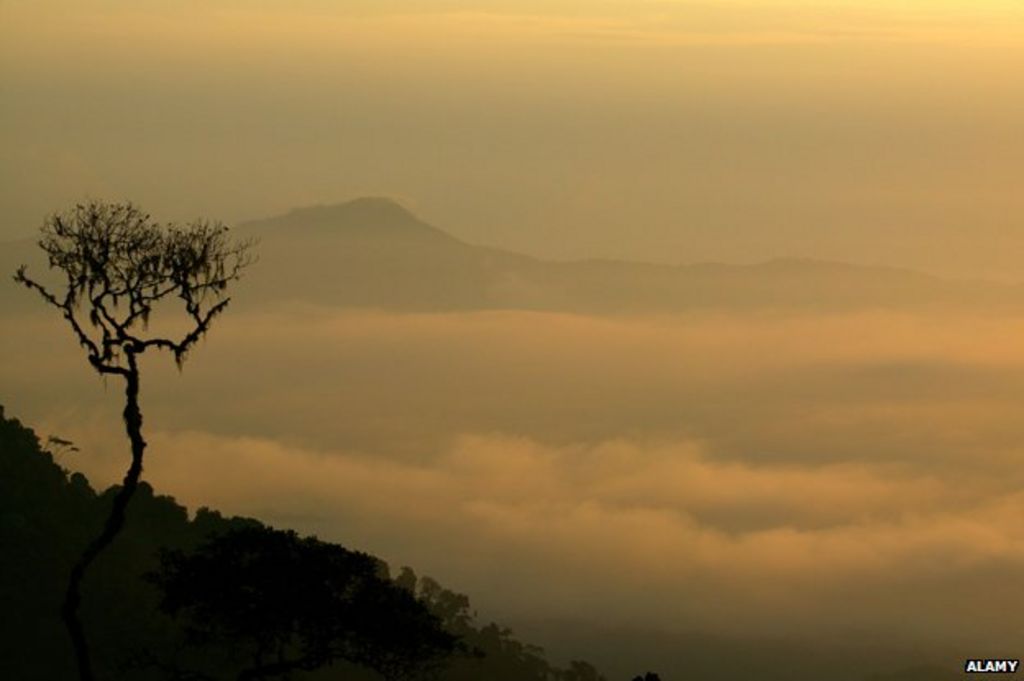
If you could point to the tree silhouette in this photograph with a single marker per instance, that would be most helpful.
(118, 266)
(285, 604)
(581, 671)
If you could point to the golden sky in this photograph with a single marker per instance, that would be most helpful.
(877, 132)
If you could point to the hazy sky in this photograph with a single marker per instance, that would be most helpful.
(869, 131)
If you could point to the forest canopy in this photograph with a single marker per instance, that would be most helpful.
(173, 598)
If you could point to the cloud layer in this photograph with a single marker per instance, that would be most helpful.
(758, 473)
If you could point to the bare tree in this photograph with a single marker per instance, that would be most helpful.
(118, 265)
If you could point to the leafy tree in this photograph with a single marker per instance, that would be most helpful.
(118, 265)
(581, 671)
(285, 604)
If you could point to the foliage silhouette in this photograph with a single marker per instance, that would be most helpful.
(118, 266)
(581, 671)
(284, 603)
(46, 514)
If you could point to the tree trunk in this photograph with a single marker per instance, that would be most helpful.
(113, 525)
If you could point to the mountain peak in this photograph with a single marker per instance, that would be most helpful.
(371, 217)
(366, 209)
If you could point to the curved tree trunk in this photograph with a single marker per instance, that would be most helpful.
(113, 525)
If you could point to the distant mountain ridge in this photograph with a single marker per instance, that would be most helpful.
(374, 253)
(368, 216)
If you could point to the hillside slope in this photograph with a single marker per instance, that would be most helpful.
(47, 516)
